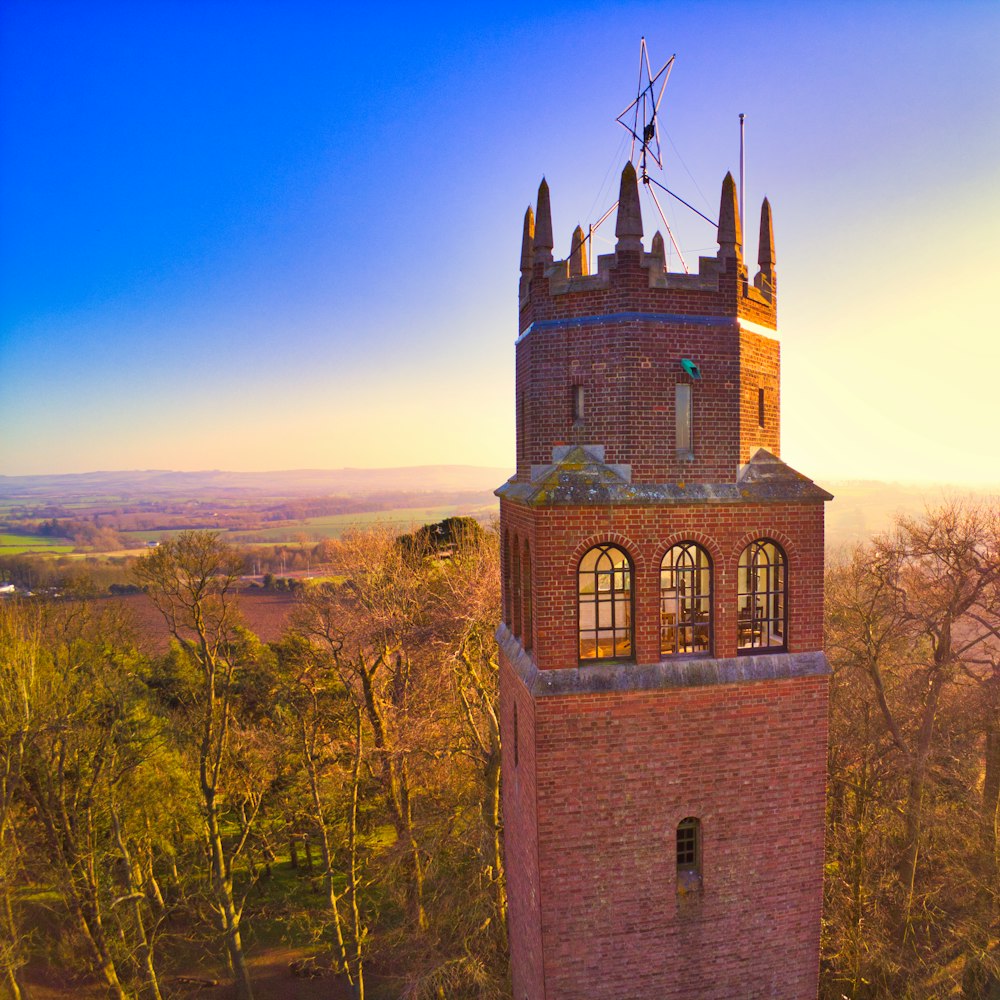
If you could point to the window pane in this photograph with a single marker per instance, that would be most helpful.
(685, 600)
(604, 597)
(761, 596)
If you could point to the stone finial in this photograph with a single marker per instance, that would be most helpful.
(628, 228)
(730, 238)
(577, 253)
(543, 242)
(527, 240)
(765, 250)
(658, 248)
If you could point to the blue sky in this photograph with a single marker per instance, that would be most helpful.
(265, 236)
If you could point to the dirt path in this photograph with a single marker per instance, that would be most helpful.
(270, 971)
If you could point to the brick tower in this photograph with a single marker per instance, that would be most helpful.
(663, 690)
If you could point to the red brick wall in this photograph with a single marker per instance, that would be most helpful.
(630, 368)
(559, 536)
(760, 368)
(616, 774)
(520, 834)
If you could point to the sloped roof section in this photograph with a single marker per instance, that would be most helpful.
(578, 475)
(766, 473)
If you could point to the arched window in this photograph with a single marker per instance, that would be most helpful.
(688, 856)
(515, 582)
(605, 602)
(762, 612)
(528, 610)
(685, 600)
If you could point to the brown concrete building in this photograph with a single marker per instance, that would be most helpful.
(663, 688)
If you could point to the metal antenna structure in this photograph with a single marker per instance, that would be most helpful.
(646, 106)
(640, 119)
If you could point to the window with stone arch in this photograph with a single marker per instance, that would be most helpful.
(526, 598)
(762, 611)
(685, 601)
(604, 591)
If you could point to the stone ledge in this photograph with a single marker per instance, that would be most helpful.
(599, 678)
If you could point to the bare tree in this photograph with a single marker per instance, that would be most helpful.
(191, 580)
(22, 679)
(467, 610)
(325, 730)
(912, 635)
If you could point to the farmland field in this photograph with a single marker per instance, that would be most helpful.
(314, 529)
(15, 545)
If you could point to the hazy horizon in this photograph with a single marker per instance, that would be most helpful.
(982, 486)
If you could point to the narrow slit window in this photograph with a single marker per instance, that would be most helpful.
(526, 599)
(521, 430)
(508, 616)
(579, 401)
(516, 754)
(515, 577)
(683, 408)
(760, 407)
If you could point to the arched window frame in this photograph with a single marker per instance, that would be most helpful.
(527, 606)
(686, 606)
(611, 609)
(762, 598)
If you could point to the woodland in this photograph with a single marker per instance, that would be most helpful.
(334, 796)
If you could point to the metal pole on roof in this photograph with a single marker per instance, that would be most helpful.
(743, 217)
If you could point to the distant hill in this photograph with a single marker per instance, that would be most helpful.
(156, 483)
(863, 508)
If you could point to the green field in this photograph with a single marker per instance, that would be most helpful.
(15, 545)
(335, 525)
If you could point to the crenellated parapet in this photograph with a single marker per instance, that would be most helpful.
(631, 279)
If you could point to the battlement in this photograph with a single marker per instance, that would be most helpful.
(635, 280)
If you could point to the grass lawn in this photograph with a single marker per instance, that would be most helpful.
(15, 545)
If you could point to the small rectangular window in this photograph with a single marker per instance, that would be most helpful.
(688, 857)
(579, 400)
(760, 407)
(683, 407)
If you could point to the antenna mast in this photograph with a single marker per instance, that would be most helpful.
(743, 217)
(640, 120)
